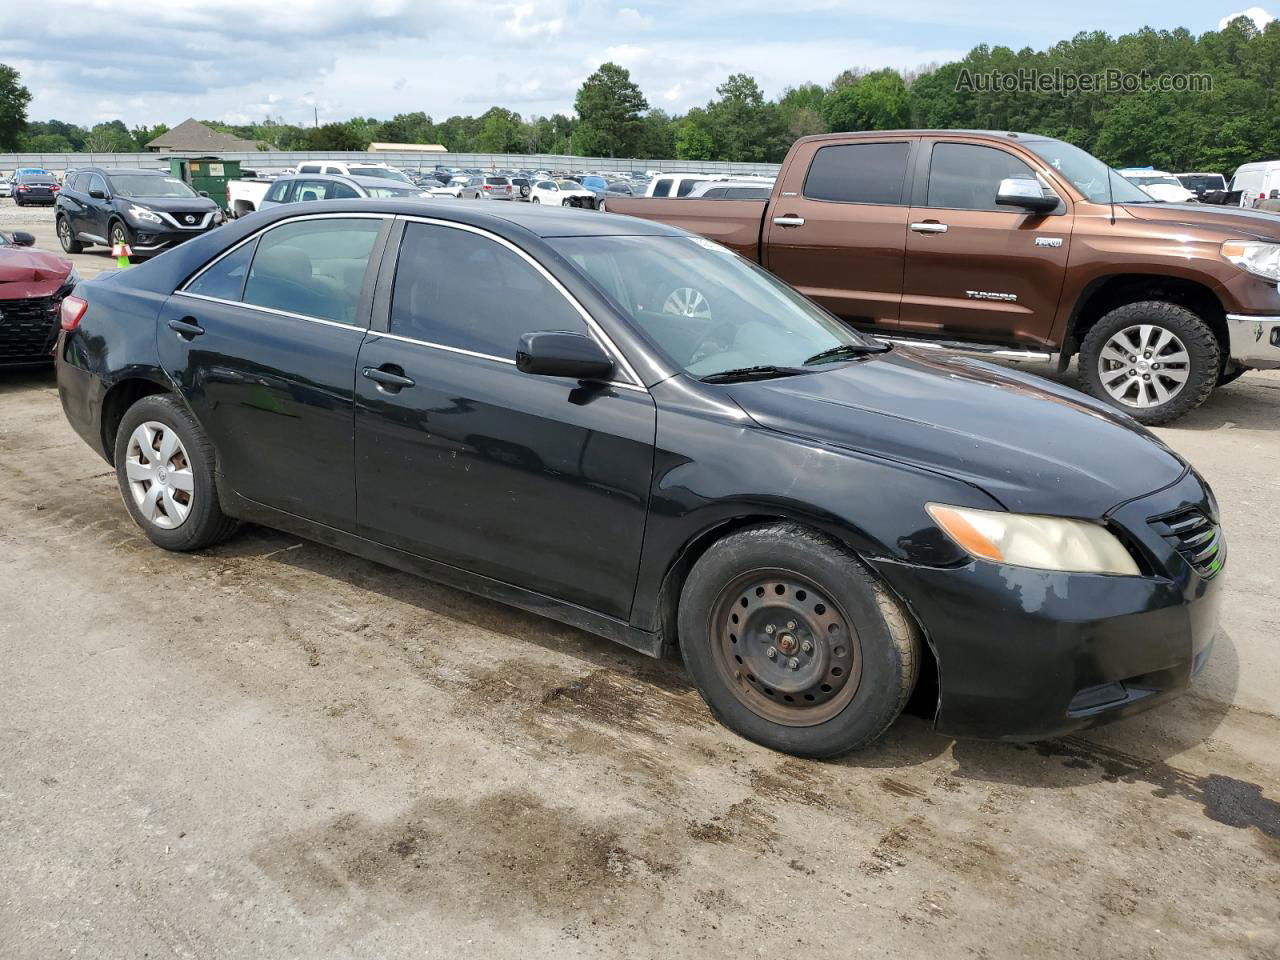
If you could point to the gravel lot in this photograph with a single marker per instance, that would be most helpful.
(276, 750)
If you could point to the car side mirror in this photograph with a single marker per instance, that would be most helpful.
(1028, 194)
(21, 238)
(98, 194)
(205, 194)
(558, 353)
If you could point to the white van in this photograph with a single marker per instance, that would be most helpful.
(678, 184)
(354, 170)
(1255, 181)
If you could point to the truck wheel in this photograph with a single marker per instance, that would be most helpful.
(68, 239)
(793, 644)
(165, 469)
(1154, 360)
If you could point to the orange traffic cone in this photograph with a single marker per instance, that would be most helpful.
(122, 253)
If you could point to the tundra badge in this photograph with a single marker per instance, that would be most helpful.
(1048, 241)
(985, 295)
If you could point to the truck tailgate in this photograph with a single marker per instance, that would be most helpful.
(734, 223)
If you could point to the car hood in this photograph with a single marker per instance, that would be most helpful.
(30, 273)
(174, 204)
(1235, 221)
(1033, 445)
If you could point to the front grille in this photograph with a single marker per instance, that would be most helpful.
(28, 329)
(1196, 537)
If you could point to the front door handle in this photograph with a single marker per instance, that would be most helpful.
(388, 377)
(929, 226)
(187, 328)
(789, 221)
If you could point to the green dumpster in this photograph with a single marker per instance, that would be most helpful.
(207, 175)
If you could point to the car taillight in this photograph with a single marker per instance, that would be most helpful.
(54, 186)
(23, 186)
(73, 309)
(487, 187)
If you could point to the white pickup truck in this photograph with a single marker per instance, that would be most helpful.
(244, 196)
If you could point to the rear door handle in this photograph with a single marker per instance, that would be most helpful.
(789, 221)
(929, 226)
(387, 378)
(186, 328)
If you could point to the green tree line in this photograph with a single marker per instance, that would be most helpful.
(1228, 117)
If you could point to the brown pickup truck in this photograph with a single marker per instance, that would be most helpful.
(1012, 246)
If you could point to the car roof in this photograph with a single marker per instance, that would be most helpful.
(540, 220)
(131, 171)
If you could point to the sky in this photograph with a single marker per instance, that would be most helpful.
(160, 61)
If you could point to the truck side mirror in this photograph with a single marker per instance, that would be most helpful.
(1028, 194)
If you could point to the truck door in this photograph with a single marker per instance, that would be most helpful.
(837, 229)
(977, 271)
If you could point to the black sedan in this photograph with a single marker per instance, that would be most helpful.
(628, 428)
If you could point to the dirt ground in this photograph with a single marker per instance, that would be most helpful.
(275, 750)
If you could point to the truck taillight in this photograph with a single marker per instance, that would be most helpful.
(73, 309)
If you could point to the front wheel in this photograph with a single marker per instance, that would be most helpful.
(120, 234)
(1155, 360)
(535, 200)
(165, 469)
(68, 239)
(793, 644)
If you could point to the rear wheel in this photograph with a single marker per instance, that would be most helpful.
(793, 644)
(65, 237)
(535, 200)
(165, 469)
(1155, 360)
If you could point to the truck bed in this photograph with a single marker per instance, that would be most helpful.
(735, 223)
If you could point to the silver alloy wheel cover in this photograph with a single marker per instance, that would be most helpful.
(64, 233)
(1144, 366)
(687, 302)
(154, 482)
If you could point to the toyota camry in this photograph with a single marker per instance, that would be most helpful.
(630, 429)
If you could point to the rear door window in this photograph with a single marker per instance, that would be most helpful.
(455, 288)
(686, 187)
(278, 190)
(858, 173)
(966, 176)
(313, 267)
(662, 188)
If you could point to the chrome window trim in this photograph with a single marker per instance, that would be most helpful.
(272, 310)
(597, 331)
(486, 356)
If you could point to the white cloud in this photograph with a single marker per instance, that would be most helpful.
(633, 19)
(1259, 17)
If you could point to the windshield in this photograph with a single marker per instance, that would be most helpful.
(391, 191)
(382, 173)
(1086, 172)
(1153, 181)
(707, 309)
(141, 185)
(569, 185)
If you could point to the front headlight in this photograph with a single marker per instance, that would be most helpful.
(143, 214)
(1023, 540)
(1254, 256)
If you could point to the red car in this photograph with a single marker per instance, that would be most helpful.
(32, 286)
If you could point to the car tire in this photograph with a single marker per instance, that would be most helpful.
(535, 200)
(793, 644)
(1116, 369)
(68, 239)
(168, 522)
(118, 232)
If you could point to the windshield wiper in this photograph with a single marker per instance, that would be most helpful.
(844, 350)
(762, 372)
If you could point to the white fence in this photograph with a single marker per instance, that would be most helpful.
(274, 160)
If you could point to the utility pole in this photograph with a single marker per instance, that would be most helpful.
(316, 114)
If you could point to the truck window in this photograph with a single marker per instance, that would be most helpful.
(686, 187)
(662, 188)
(308, 168)
(858, 173)
(965, 176)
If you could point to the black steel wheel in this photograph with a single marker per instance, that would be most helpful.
(793, 643)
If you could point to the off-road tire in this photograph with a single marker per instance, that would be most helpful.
(1201, 345)
(886, 637)
(206, 525)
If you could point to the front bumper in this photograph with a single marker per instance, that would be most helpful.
(1254, 341)
(1030, 654)
(152, 239)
